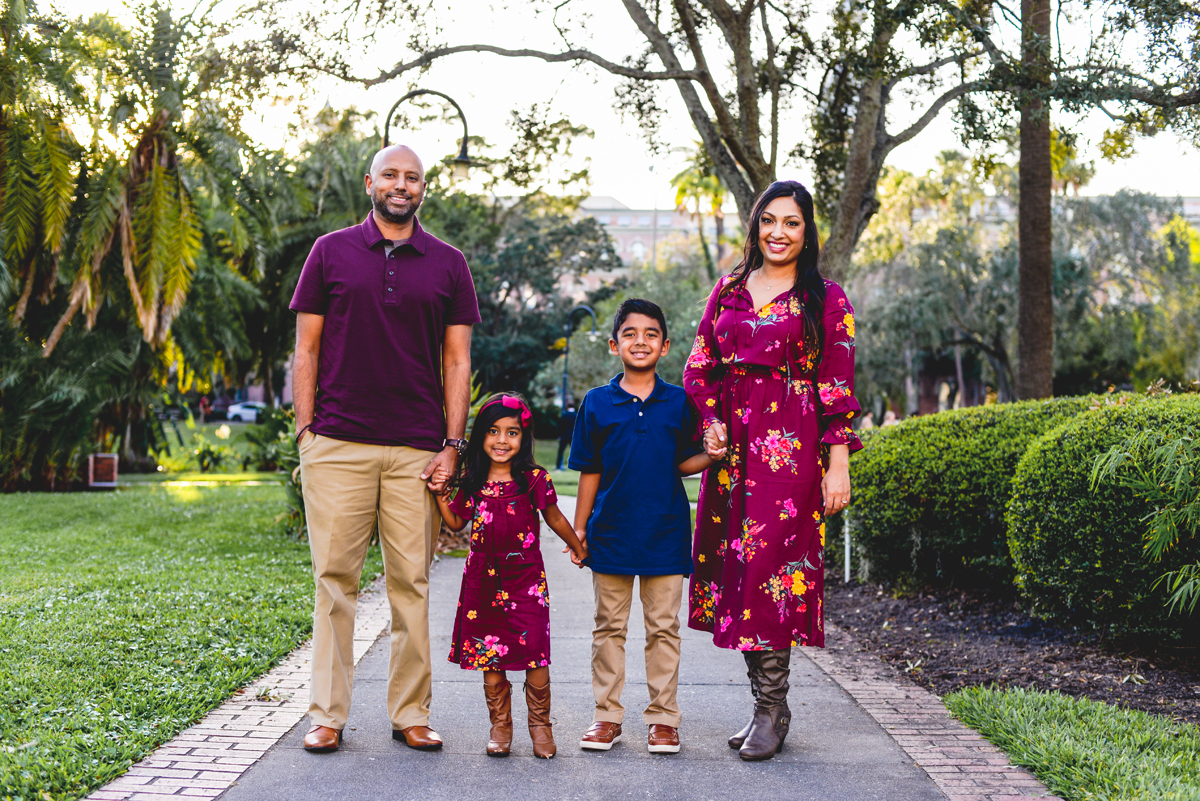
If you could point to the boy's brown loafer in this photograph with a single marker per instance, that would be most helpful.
(421, 738)
(322, 740)
(601, 736)
(663, 739)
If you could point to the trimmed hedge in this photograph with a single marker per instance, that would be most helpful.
(929, 494)
(1079, 554)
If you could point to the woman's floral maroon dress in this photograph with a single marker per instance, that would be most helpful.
(757, 581)
(503, 618)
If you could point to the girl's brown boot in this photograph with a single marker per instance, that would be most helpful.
(499, 703)
(538, 701)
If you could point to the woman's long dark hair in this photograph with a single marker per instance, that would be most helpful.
(810, 285)
(473, 467)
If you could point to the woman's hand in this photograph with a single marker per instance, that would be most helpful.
(716, 440)
(835, 486)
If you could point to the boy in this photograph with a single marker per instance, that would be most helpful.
(633, 441)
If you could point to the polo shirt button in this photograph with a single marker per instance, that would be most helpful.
(389, 289)
(391, 272)
(639, 414)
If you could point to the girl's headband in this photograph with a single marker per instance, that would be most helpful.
(510, 402)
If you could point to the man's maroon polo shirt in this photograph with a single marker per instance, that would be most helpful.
(379, 377)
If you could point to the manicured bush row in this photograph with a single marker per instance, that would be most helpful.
(929, 494)
(1079, 554)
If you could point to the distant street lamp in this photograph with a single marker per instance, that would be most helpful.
(570, 327)
(462, 164)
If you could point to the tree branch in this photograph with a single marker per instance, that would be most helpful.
(426, 59)
(719, 150)
(773, 77)
(933, 111)
(731, 132)
(977, 31)
(934, 66)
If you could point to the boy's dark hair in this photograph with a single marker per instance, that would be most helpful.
(639, 306)
(473, 467)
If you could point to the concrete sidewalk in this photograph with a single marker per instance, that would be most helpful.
(835, 749)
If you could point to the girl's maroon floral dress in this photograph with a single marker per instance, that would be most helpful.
(503, 618)
(758, 578)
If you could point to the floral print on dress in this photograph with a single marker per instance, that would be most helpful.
(754, 369)
(540, 592)
(746, 545)
(484, 653)
(503, 618)
(776, 449)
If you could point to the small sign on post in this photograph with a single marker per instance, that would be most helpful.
(102, 470)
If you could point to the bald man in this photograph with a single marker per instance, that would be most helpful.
(381, 385)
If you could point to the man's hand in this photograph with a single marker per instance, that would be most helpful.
(716, 440)
(440, 469)
(304, 367)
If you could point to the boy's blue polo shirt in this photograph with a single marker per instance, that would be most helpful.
(641, 524)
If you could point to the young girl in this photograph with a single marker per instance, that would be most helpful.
(503, 619)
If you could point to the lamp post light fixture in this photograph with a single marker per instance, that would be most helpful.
(570, 327)
(462, 163)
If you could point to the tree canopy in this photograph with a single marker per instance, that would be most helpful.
(744, 71)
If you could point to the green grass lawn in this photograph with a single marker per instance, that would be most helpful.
(126, 616)
(193, 476)
(566, 482)
(1083, 749)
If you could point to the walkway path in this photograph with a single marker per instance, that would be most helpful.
(858, 731)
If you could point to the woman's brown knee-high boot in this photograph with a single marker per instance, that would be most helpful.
(499, 703)
(752, 672)
(772, 718)
(538, 700)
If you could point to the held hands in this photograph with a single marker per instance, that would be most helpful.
(577, 556)
(439, 470)
(716, 440)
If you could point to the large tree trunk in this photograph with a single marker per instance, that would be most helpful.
(864, 161)
(1035, 306)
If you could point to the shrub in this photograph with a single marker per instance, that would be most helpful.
(1079, 554)
(929, 494)
(270, 440)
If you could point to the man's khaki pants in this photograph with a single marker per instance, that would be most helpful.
(347, 486)
(661, 598)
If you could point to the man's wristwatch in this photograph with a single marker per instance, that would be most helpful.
(459, 445)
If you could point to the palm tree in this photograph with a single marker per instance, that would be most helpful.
(700, 186)
(37, 149)
(139, 205)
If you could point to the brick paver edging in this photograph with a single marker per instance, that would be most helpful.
(205, 760)
(964, 766)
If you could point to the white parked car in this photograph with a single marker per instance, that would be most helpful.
(246, 411)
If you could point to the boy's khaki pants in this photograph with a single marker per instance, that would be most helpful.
(661, 598)
(347, 486)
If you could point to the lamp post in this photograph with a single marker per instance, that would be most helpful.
(462, 163)
(570, 326)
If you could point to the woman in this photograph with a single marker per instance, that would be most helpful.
(772, 375)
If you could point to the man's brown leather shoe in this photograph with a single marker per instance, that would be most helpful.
(663, 739)
(421, 738)
(601, 736)
(322, 740)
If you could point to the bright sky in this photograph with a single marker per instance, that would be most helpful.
(488, 87)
